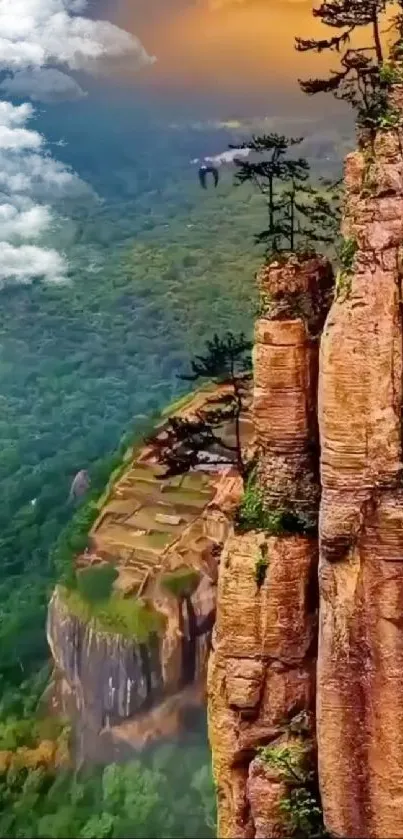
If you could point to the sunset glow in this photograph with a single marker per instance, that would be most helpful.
(229, 45)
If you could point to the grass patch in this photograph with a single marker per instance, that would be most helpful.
(158, 539)
(182, 582)
(252, 514)
(346, 254)
(118, 615)
(95, 583)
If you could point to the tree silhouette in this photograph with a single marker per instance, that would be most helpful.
(186, 443)
(359, 79)
(298, 214)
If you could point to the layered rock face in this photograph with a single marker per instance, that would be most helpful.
(261, 679)
(360, 668)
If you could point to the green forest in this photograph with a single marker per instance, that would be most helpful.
(157, 268)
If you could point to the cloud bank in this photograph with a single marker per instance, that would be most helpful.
(41, 43)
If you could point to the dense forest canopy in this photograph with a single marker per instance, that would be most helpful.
(152, 263)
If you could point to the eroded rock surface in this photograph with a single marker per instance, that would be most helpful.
(261, 675)
(360, 668)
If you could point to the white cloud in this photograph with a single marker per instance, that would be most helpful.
(23, 263)
(226, 157)
(27, 222)
(41, 43)
(42, 85)
(38, 33)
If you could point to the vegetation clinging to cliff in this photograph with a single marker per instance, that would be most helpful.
(253, 514)
(301, 807)
(130, 617)
(181, 582)
(186, 443)
(365, 75)
(261, 566)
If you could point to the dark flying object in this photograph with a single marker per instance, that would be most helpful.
(203, 172)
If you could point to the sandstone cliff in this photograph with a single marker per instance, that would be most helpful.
(261, 681)
(360, 669)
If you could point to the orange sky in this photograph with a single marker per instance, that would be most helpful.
(228, 43)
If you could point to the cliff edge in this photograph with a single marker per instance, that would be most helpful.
(125, 668)
(360, 666)
(261, 675)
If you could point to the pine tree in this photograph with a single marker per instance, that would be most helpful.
(298, 215)
(360, 79)
(186, 443)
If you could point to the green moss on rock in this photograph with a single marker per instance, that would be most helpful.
(181, 582)
(130, 617)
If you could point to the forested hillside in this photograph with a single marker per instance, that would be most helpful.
(157, 266)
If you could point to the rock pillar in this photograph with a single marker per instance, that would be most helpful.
(261, 681)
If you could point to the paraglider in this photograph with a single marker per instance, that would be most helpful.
(203, 171)
(211, 165)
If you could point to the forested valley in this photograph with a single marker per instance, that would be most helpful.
(157, 267)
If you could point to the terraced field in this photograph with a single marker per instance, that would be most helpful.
(145, 516)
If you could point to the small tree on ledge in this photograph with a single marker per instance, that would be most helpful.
(299, 215)
(187, 443)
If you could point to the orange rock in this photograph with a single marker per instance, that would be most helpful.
(360, 666)
(261, 672)
(266, 795)
(262, 669)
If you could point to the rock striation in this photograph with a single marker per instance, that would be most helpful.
(360, 667)
(261, 675)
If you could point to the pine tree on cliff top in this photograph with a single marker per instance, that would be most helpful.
(186, 443)
(298, 214)
(360, 79)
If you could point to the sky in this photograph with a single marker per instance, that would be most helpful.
(219, 58)
(47, 50)
(243, 49)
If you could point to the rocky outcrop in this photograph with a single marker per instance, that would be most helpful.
(297, 297)
(159, 534)
(261, 678)
(102, 678)
(360, 668)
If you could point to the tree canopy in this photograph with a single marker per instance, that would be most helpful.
(299, 214)
(186, 443)
(359, 79)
